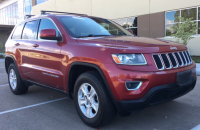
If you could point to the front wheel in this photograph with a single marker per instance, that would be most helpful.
(16, 84)
(92, 101)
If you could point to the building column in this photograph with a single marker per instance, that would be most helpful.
(33, 2)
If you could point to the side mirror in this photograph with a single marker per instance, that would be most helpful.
(130, 31)
(49, 34)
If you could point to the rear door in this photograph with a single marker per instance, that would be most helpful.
(27, 41)
(45, 59)
(14, 45)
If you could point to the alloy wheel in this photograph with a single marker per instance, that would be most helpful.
(88, 100)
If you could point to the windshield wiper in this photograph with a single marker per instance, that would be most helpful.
(92, 35)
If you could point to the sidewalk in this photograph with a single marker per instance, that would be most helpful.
(2, 60)
(198, 68)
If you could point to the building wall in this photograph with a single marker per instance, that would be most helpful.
(20, 7)
(114, 9)
(150, 13)
(20, 10)
(6, 3)
(4, 36)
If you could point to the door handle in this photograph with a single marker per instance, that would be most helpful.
(36, 45)
(17, 44)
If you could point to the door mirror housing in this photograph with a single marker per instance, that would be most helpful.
(49, 34)
(130, 31)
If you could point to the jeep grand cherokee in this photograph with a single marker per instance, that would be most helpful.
(98, 63)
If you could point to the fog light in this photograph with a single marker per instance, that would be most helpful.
(133, 85)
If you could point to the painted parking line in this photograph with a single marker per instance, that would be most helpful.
(196, 128)
(21, 108)
(4, 85)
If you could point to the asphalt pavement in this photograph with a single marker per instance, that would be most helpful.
(44, 109)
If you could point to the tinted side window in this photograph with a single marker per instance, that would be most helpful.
(18, 32)
(29, 30)
(47, 24)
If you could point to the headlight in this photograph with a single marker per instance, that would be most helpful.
(129, 59)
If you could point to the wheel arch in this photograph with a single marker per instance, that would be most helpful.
(9, 60)
(88, 66)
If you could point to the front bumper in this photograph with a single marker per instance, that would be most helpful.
(156, 95)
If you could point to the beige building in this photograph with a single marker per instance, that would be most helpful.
(146, 18)
(13, 12)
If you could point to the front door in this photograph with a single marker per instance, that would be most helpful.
(44, 58)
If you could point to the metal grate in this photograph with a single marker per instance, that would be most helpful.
(177, 59)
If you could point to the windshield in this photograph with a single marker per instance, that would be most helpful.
(78, 27)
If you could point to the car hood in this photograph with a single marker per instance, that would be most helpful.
(126, 44)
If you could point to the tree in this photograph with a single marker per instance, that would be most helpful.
(185, 30)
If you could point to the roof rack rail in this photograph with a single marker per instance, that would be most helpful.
(43, 12)
(28, 16)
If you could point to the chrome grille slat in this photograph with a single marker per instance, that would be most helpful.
(172, 60)
(188, 54)
(158, 61)
(183, 58)
(166, 61)
(178, 58)
(186, 57)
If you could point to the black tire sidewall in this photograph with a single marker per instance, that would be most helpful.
(21, 88)
(95, 120)
(13, 67)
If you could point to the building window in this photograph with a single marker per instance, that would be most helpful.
(128, 23)
(40, 1)
(27, 7)
(171, 19)
(9, 14)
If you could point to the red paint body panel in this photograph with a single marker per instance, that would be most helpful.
(49, 63)
(48, 33)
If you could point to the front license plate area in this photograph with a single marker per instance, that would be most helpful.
(184, 78)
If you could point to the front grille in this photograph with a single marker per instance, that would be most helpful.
(169, 60)
(166, 61)
(177, 55)
(188, 54)
(158, 62)
(173, 60)
(183, 58)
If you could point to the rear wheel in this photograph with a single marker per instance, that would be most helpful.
(92, 101)
(16, 84)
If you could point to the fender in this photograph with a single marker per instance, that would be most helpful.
(100, 72)
(10, 56)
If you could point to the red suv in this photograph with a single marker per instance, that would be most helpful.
(98, 63)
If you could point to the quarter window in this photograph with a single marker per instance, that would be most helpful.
(18, 32)
(47, 24)
(29, 30)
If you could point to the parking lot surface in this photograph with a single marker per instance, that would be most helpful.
(44, 109)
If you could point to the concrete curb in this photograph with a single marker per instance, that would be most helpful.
(198, 68)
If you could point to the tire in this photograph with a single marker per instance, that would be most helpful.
(105, 110)
(15, 82)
